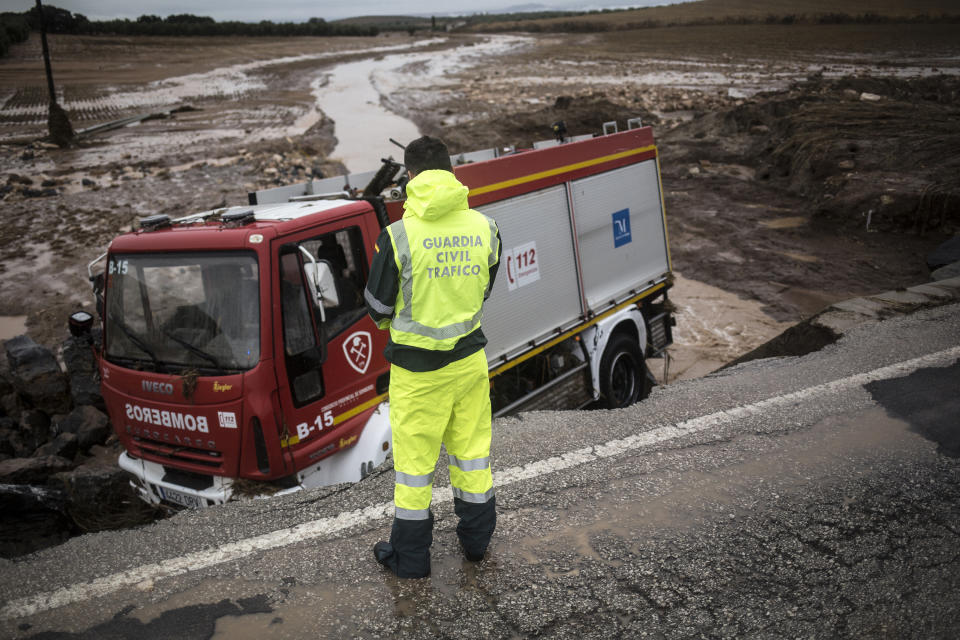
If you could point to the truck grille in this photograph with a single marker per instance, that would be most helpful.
(164, 452)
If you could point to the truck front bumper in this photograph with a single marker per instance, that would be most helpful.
(150, 485)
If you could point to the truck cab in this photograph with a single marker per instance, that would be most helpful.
(240, 348)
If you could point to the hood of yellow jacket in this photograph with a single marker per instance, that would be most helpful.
(433, 194)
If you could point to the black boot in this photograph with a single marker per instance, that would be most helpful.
(477, 522)
(408, 553)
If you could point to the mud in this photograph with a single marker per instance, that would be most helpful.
(754, 207)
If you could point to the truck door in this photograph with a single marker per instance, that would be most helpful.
(330, 351)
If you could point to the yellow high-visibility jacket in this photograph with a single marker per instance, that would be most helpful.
(444, 257)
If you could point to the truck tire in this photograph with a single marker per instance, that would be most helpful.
(623, 373)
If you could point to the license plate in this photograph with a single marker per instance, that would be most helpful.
(182, 499)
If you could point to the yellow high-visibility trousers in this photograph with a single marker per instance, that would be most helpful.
(449, 406)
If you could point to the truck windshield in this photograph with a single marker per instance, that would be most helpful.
(172, 311)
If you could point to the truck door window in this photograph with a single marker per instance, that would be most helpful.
(343, 252)
(300, 335)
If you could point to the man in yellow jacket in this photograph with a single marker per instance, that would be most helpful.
(431, 272)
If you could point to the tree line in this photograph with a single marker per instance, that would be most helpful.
(16, 27)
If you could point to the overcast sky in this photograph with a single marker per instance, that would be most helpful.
(299, 10)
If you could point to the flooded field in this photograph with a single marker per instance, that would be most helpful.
(275, 111)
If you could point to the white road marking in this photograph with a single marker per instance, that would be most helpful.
(327, 526)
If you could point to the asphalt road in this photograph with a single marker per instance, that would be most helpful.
(813, 497)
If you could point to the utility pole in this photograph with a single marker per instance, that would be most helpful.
(58, 124)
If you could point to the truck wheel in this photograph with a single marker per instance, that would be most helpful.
(623, 373)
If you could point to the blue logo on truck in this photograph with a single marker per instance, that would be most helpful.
(621, 228)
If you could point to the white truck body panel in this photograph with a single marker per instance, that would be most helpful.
(613, 267)
(515, 312)
(621, 236)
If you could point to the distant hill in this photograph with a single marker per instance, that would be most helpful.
(367, 21)
(726, 11)
(538, 17)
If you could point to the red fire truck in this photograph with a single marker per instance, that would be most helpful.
(237, 355)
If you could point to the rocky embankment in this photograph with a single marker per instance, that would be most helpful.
(58, 470)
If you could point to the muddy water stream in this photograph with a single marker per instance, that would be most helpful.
(354, 97)
(363, 127)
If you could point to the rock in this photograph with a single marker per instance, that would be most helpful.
(947, 272)
(36, 374)
(91, 434)
(82, 372)
(8, 431)
(12, 405)
(39, 193)
(947, 253)
(6, 385)
(693, 172)
(11, 440)
(34, 518)
(87, 182)
(93, 483)
(32, 470)
(90, 425)
(18, 179)
(50, 182)
(100, 497)
(34, 428)
(870, 97)
(846, 165)
(64, 445)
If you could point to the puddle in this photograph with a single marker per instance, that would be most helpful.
(799, 257)
(836, 448)
(927, 399)
(791, 222)
(12, 326)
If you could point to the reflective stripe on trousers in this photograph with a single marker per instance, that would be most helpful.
(449, 406)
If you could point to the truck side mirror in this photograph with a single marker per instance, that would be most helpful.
(323, 284)
(98, 282)
(327, 284)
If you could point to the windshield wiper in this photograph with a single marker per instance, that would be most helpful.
(194, 350)
(138, 342)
